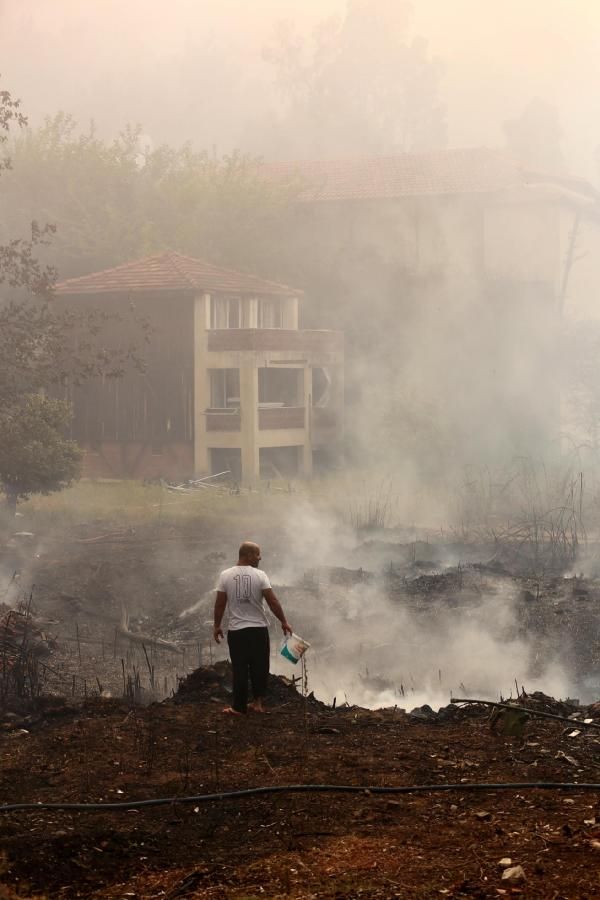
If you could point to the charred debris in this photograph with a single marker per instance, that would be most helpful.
(64, 641)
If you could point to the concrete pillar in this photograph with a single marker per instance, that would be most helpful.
(201, 385)
(289, 307)
(249, 420)
(306, 462)
(252, 312)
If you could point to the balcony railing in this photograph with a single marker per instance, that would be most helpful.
(220, 339)
(268, 418)
(223, 420)
(281, 417)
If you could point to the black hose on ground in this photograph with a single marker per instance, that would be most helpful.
(531, 712)
(304, 789)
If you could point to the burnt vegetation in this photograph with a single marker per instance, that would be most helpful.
(108, 694)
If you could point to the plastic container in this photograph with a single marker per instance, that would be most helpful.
(294, 648)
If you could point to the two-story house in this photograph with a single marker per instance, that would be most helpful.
(230, 384)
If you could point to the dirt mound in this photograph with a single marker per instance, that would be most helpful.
(214, 682)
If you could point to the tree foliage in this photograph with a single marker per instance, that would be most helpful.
(43, 346)
(363, 85)
(34, 455)
(18, 265)
(113, 201)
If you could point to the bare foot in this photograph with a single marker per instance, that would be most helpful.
(257, 706)
(230, 711)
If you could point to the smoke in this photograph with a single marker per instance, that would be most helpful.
(451, 303)
(493, 66)
(377, 639)
(384, 654)
(22, 552)
(312, 538)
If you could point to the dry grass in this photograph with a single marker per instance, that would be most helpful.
(131, 502)
(528, 508)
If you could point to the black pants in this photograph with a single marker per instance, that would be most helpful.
(249, 651)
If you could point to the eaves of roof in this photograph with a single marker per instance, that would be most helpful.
(172, 272)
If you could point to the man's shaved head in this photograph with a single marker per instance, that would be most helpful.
(250, 551)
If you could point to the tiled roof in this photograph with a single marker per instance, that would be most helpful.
(468, 171)
(171, 272)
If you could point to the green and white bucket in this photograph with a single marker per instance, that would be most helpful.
(294, 648)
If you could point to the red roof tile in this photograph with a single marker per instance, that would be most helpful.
(171, 272)
(468, 171)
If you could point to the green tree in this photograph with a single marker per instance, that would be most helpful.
(18, 265)
(42, 347)
(113, 201)
(35, 458)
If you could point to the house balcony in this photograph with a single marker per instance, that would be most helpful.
(270, 417)
(223, 420)
(273, 417)
(265, 339)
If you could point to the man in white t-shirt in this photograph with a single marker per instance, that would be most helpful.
(242, 589)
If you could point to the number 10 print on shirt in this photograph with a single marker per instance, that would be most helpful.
(243, 587)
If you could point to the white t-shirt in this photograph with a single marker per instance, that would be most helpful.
(244, 586)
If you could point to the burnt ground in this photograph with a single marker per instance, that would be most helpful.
(299, 845)
(69, 744)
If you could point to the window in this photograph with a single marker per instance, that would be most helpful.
(279, 387)
(224, 388)
(321, 387)
(234, 313)
(269, 313)
(225, 312)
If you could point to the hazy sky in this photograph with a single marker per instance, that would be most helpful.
(193, 68)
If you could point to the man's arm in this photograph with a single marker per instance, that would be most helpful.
(275, 607)
(220, 604)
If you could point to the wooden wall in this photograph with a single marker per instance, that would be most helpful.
(151, 409)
